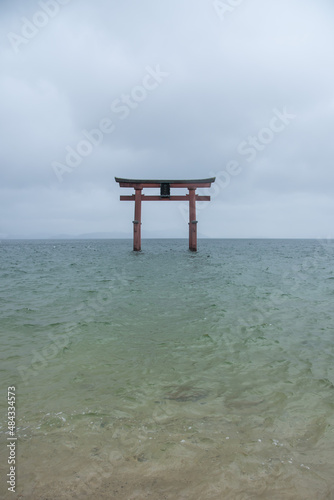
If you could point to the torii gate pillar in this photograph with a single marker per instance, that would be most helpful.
(165, 186)
(137, 221)
(192, 220)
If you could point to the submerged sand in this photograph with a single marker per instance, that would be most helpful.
(186, 457)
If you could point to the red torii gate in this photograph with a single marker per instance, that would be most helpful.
(165, 185)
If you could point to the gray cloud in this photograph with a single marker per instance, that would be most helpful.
(67, 66)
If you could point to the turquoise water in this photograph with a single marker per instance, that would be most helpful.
(170, 373)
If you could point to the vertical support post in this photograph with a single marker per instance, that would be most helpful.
(192, 220)
(137, 221)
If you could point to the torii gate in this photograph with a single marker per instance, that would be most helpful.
(165, 185)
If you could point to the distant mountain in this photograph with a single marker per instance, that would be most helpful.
(147, 234)
(98, 236)
(85, 236)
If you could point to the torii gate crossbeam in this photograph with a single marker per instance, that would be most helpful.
(165, 186)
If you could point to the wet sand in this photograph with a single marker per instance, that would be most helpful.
(171, 458)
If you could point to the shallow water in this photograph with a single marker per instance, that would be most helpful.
(169, 374)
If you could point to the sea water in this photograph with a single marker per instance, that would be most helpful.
(168, 374)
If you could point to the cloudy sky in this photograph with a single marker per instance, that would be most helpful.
(242, 90)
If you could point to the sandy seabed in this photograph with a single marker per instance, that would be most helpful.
(175, 459)
(181, 478)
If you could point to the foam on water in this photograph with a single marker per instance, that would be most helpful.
(205, 375)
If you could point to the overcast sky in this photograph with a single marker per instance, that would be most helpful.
(238, 89)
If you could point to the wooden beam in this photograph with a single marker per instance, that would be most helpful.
(192, 185)
(144, 197)
(140, 186)
(186, 185)
(165, 181)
